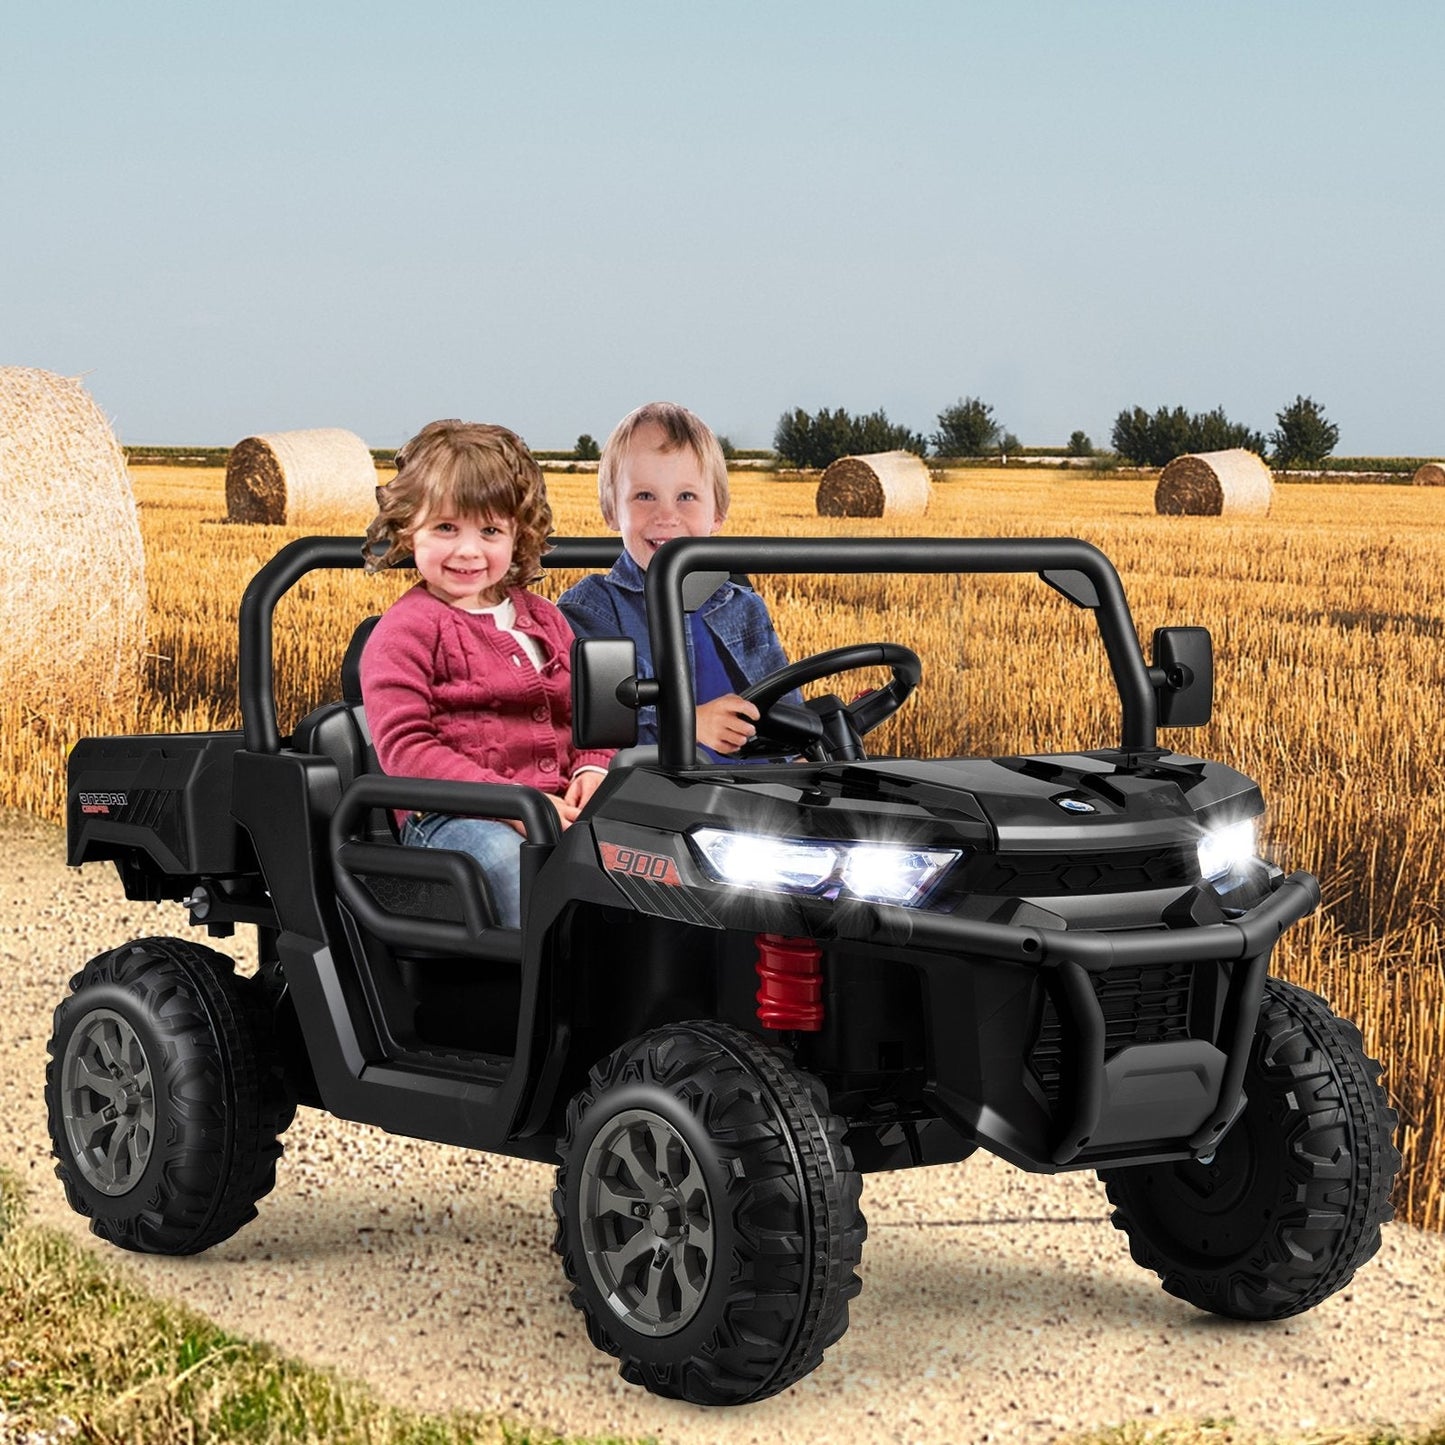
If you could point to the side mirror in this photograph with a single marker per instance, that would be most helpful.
(604, 692)
(1183, 676)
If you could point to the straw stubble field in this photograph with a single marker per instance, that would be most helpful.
(1328, 618)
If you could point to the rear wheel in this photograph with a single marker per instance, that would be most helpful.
(165, 1097)
(1292, 1201)
(708, 1215)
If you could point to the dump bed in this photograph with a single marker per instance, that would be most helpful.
(160, 802)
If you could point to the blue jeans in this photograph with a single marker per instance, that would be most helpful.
(494, 845)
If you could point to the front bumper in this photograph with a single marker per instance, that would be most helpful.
(1151, 1100)
(1093, 950)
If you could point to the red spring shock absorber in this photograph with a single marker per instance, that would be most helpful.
(791, 994)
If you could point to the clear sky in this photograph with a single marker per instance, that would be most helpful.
(237, 218)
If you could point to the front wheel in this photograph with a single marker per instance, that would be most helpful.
(708, 1215)
(1292, 1201)
(165, 1097)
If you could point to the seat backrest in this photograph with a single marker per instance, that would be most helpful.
(351, 663)
(338, 730)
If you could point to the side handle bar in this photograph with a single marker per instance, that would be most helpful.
(477, 935)
(436, 795)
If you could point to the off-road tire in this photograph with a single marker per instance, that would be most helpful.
(772, 1189)
(203, 1065)
(1292, 1203)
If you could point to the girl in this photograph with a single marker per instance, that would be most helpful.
(468, 675)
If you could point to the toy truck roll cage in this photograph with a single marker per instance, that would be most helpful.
(1078, 570)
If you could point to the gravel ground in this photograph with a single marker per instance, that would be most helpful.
(996, 1305)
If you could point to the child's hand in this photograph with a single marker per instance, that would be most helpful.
(566, 811)
(726, 723)
(581, 788)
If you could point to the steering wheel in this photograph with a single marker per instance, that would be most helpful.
(825, 727)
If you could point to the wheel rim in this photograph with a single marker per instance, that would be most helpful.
(647, 1222)
(1215, 1212)
(108, 1101)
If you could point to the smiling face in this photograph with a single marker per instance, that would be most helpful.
(462, 560)
(662, 495)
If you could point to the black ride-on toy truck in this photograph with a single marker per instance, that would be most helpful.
(736, 988)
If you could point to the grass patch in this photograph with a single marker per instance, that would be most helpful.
(85, 1355)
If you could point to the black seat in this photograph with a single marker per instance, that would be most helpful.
(338, 730)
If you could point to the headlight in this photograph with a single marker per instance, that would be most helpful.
(1227, 850)
(875, 872)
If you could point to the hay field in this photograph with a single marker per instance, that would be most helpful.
(1328, 619)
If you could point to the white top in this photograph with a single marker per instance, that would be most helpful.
(504, 614)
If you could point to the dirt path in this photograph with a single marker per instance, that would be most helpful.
(996, 1305)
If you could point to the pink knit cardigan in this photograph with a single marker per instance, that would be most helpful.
(448, 694)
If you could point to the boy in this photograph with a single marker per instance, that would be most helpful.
(663, 475)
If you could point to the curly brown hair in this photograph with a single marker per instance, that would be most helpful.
(475, 470)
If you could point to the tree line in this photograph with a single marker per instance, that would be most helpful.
(968, 428)
(1303, 435)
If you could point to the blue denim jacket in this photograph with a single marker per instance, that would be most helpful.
(613, 606)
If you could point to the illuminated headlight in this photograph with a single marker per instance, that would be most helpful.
(875, 872)
(1228, 850)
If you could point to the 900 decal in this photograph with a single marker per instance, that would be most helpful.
(653, 867)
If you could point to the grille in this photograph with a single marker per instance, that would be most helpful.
(1051, 874)
(1148, 1004)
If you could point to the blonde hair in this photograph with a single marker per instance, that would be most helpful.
(680, 428)
(475, 470)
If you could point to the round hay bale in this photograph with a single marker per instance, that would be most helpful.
(880, 484)
(73, 607)
(300, 477)
(1432, 474)
(1235, 483)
